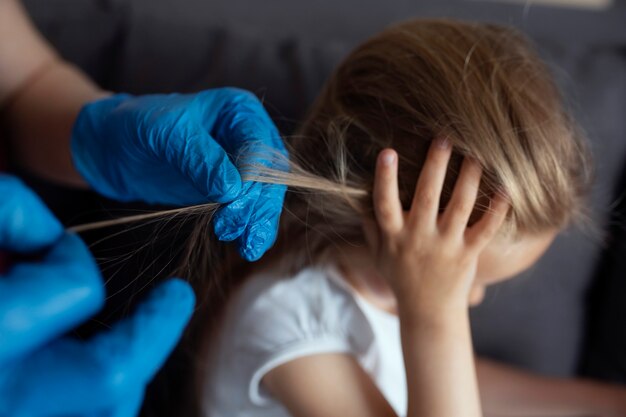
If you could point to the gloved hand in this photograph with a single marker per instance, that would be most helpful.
(179, 150)
(44, 375)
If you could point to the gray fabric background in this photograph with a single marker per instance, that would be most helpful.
(283, 50)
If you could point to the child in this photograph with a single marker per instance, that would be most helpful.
(437, 160)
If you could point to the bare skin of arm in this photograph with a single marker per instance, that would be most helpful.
(40, 97)
(329, 385)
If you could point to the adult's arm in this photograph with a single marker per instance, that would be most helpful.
(40, 97)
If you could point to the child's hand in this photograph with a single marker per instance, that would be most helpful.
(430, 259)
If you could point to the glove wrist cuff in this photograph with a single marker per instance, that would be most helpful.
(89, 140)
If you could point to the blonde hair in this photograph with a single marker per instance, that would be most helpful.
(482, 86)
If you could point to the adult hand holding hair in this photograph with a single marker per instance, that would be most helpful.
(179, 150)
(430, 260)
(45, 374)
(168, 149)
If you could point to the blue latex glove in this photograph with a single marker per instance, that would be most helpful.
(43, 374)
(179, 150)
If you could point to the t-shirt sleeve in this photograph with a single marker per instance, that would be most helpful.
(293, 318)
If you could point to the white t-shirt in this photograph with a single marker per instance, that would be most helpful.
(272, 320)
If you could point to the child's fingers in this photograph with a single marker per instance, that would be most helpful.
(387, 206)
(481, 233)
(425, 205)
(461, 204)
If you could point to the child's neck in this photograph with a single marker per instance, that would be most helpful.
(360, 273)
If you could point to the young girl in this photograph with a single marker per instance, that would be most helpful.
(437, 160)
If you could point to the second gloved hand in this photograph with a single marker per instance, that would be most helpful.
(54, 288)
(179, 150)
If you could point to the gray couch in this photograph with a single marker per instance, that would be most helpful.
(283, 51)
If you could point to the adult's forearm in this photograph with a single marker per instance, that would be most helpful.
(22, 49)
(40, 121)
(40, 97)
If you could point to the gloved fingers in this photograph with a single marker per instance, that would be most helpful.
(41, 300)
(231, 220)
(262, 227)
(244, 128)
(198, 157)
(59, 379)
(64, 378)
(26, 224)
(72, 377)
(135, 348)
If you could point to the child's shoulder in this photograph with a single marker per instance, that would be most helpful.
(314, 296)
(306, 285)
(311, 309)
(275, 318)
